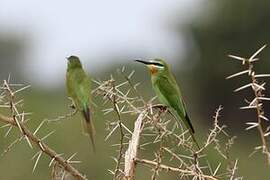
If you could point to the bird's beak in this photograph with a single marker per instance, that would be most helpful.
(144, 62)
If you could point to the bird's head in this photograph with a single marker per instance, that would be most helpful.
(156, 66)
(74, 62)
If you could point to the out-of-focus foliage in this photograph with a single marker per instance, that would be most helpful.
(228, 27)
(12, 49)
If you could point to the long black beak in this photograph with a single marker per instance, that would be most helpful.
(144, 62)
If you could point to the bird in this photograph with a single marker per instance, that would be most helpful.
(168, 91)
(78, 85)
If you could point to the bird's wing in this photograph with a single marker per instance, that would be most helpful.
(79, 88)
(171, 93)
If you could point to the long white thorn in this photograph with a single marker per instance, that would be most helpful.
(51, 162)
(126, 128)
(263, 117)
(38, 157)
(4, 106)
(243, 87)
(252, 102)
(252, 125)
(123, 69)
(45, 137)
(28, 141)
(39, 126)
(238, 74)
(250, 107)
(8, 131)
(109, 135)
(63, 176)
(253, 60)
(264, 98)
(74, 162)
(237, 58)
(266, 134)
(72, 156)
(21, 89)
(261, 75)
(131, 74)
(257, 52)
(6, 125)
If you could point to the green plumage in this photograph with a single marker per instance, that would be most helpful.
(78, 85)
(168, 92)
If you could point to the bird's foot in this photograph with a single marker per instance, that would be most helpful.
(163, 109)
(72, 106)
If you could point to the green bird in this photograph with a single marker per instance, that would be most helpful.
(168, 92)
(78, 85)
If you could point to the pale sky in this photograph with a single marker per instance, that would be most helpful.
(94, 30)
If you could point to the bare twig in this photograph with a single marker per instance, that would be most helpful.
(155, 128)
(17, 119)
(44, 148)
(257, 103)
(173, 169)
(120, 154)
(158, 160)
(131, 153)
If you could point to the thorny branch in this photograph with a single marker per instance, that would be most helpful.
(17, 120)
(120, 154)
(187, 168)
(257, 102)
(153, 127)
(173, 169)
(158, 129)
(158, 161)
(45, 148)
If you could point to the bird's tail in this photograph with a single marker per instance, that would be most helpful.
(189, 126)
(88, 126)
(194, 140)
(191, 130)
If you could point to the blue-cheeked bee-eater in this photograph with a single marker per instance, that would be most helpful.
(78, 85)
(168, 92)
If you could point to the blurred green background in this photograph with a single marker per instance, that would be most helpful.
(201, 35)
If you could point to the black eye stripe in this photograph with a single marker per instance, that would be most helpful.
(150, 63)
(157, 64)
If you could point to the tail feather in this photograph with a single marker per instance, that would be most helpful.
(88, 126)
(188, 125)
(191, 129)
(195, 141)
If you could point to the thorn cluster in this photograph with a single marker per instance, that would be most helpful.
(258, 87)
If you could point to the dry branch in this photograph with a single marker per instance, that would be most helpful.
(174, 169)
(152, 128)
(257, 102)
(131, 153)
(17, 120)
(44, 148)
